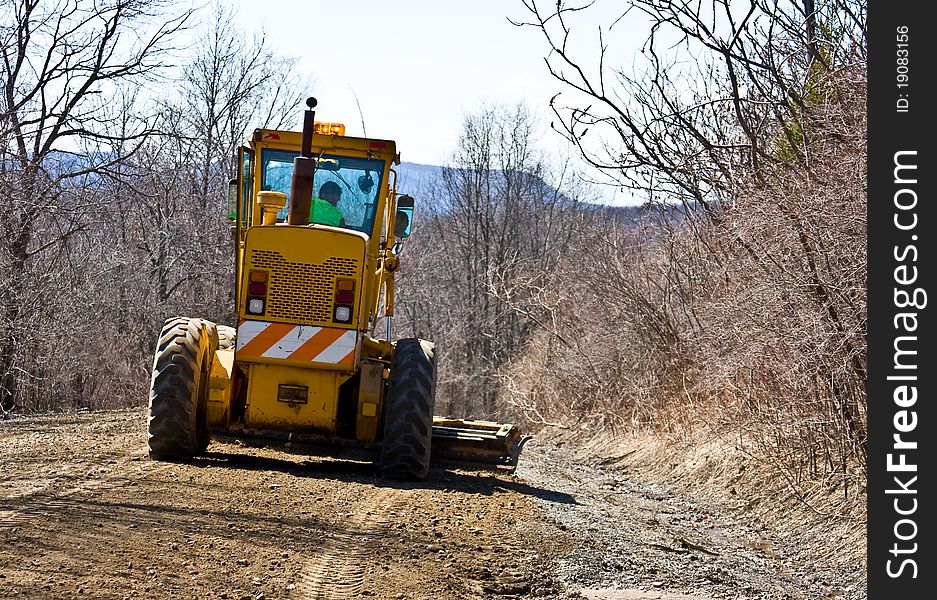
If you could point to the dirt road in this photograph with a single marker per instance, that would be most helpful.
(84, 513)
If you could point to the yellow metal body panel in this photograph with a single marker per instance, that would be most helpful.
(291, 140)
(369, 401)
(220, 384)
(302, 266)
(316, 414)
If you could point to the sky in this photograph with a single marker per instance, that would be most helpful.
(418, 66)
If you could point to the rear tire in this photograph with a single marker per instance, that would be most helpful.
(227, 337)
(179, 389)
(408, 418)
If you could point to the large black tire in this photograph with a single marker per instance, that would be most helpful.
(408, 419)
(179, 390)
(227, 337)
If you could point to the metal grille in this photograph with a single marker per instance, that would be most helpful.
(301, 291)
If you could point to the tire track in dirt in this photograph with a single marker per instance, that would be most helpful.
(46, 496)
(58, 485)
(337, 570)
(44, 473)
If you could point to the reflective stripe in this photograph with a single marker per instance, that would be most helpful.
(314, 347)
(247, 330)
(338, 349)
(291, 342)
(262, 340)
(296, 342)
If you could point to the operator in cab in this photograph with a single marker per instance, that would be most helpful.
(325, 209)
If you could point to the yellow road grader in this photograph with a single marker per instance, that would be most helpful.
(318, 224)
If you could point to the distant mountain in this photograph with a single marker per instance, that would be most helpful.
(419, 180)
(425, 183)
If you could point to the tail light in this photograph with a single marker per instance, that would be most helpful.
(344, 300)
(256, 292)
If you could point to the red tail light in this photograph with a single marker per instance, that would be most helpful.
(344, 300)
(256, 292)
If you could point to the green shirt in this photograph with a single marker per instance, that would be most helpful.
(324, 213)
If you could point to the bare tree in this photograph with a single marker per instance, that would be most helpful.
(499, 219)
(748, 303)
(722, 92)
(234, 83)
(63, 63)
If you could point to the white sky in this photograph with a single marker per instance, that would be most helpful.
(417, 66)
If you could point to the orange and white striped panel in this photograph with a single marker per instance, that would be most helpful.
(296, 342)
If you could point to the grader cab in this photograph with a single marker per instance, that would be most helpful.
(318, 222)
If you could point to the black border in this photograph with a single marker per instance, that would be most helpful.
(892, 131)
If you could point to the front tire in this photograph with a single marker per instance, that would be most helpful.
(179, 389)
(408, 418)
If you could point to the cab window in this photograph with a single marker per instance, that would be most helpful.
(357, 179)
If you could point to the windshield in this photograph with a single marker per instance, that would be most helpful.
(350, 184)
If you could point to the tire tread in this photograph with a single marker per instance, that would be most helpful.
(408, 421)
(175, 428)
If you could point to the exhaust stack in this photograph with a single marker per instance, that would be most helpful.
(304, 169)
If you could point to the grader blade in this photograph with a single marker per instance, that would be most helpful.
(482, 444)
